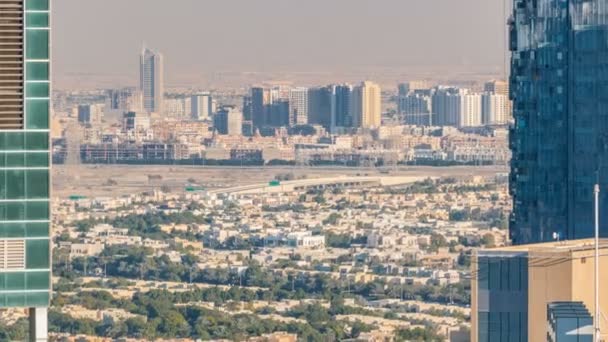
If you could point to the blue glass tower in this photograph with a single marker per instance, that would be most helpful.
(559, 87)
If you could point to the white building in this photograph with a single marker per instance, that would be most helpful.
(470, 110)
(202, 106)
(305, 239)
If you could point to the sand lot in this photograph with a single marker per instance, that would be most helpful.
(116, 180)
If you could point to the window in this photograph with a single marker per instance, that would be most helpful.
(12, 254)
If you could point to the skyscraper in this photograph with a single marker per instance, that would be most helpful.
(151, 80)
(415, 108)
(319, 106)
(366, 105)
(341, 106)
(446, 105)
(560, 136)
(202, 106)
(494, 109)
(228, 121)
(298, 106)
(261, 99)
(25, 253)
(456, 107)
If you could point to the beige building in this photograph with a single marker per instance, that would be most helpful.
(366, 105)
(512, 283)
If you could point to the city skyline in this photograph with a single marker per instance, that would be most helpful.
(330, 45)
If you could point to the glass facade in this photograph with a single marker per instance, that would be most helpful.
(502, 296)
(559, 82)
(569, 322)
(25, 275)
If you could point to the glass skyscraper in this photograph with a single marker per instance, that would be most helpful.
(25, 275)
(559, 86)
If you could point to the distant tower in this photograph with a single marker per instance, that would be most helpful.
(202, 106)
(151, 80)
(366, 105)
(228, 121)
(298, 106)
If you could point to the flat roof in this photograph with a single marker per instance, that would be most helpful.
(553, 246)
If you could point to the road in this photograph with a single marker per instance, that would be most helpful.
(116, 180)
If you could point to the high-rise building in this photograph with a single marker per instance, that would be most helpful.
(247, 123)
(497, 87)
(25, 253)
(228, 121)
(515, 290)
(366, 105)
(446, 105)
(178, 107)
(494, 109)
(319, 106)
(261, 100)
(415, 109)
(560, 137)
(202, 106)
(456, 107)
(298, 106)
(341, 106)
(279, 113)
(151, 80)
(470, 111)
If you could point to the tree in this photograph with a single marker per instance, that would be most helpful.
(488, 240)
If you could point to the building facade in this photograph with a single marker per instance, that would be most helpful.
(513, 288)
(228, 121)
(201, 106)
(319, 106)
(494, 109)
(298, 106)
(261, 101)
(341, 106)
(366, 105)
(415, 109)
(25, 253)
(151, 80)
(560, 136)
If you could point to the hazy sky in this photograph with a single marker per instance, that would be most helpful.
(105, 37)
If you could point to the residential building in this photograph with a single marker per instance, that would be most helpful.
(25, 253)
(201, 106)
(261, 100)
(151, 80)
(279, 113)
(228, 121)
(456, 107)
(366, 105)
(494, 109)
(341, 106)
(415, 109)
(319, 106)
(298, 106)
(560, 136)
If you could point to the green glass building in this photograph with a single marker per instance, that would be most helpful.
(25, 252)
